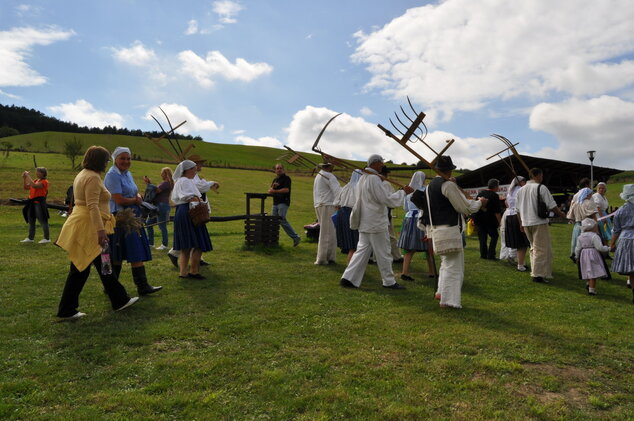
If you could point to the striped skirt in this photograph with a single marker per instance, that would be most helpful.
(188, 236)
(623, 261)
(411, 238)
(347, 238)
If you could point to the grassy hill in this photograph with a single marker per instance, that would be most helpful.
(218, 154)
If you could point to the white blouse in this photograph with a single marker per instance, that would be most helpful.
(184, 190)
(601, 201)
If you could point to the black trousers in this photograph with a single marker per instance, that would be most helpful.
(75, 283)
(484, 231)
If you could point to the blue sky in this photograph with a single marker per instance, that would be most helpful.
(557, 77)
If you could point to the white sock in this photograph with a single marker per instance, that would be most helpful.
(592, 290)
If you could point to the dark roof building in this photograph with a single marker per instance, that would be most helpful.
(559, 176)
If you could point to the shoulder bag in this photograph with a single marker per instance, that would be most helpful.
(445, 239)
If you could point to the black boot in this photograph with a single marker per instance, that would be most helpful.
(140, 280)
(116, 271)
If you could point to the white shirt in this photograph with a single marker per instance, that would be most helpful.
(601, 202)
(346, 196)
(460, 203)
(203, 185)
(373, 199)
(527, 203)
(325, 189)
(184, 190)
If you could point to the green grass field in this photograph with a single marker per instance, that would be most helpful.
(271, 336)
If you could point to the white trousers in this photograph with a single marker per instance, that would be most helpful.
(450, 278)
(379, 243)
(327, 246)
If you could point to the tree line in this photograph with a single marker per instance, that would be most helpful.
(16, 120)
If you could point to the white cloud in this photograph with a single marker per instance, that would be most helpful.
(350, 137)
(261, 141)
(178, 113)
(192, 27)
(366, 111)
(16, 46)
(461, 54)
(204, 70)
(239, 131)
(136, 55)
(603, 124)
(83, 113)
(9, 95)
(227, 10)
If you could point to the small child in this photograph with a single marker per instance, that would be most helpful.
(591, 264)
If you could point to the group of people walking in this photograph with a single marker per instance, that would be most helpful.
(353, 217)
(92, 232)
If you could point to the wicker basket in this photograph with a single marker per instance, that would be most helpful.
(199, 214)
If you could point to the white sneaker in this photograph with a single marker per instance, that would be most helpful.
(75, 316)
(44, 241)
(26, 240)
(128, 304)
(161, 247)
(522, 268)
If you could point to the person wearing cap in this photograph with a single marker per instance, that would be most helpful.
(623, 231)
(447, 203)
(281, 191)
(487, 220)
(369, 216)
(587, 253)
(189, 239)
(131, 246)
(325, 189)
(203, 187)
(536, 227)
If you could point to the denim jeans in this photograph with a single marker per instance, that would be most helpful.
(281, 210)
(163, 217)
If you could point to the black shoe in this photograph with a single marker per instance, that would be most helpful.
(540, 280)
(346, 283)
(574, 259)
(203, 263)
(174, 260)
(149, 289)
(395, 285)
(195, 276)
(406, 278)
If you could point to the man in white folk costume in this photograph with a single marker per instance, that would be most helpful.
(447, 203)
(369, 216)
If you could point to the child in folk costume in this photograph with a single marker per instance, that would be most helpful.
(591, 264)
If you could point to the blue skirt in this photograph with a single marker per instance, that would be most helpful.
(411, 238)
(347, 238)
(623, 261)
(133, 247)
(188, 236)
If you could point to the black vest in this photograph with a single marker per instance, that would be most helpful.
(442, 212)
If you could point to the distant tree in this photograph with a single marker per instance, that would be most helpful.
(72, 149)
(7, 146)
(6, 131)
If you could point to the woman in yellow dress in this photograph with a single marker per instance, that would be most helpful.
(85, 234)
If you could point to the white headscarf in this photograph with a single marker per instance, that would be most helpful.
(354, 177)
(588, 224)
(182, 167)
(516, 182)
(119, 150)
(417, 181)
(628, 193)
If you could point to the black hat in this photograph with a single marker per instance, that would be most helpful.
(444, 163)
